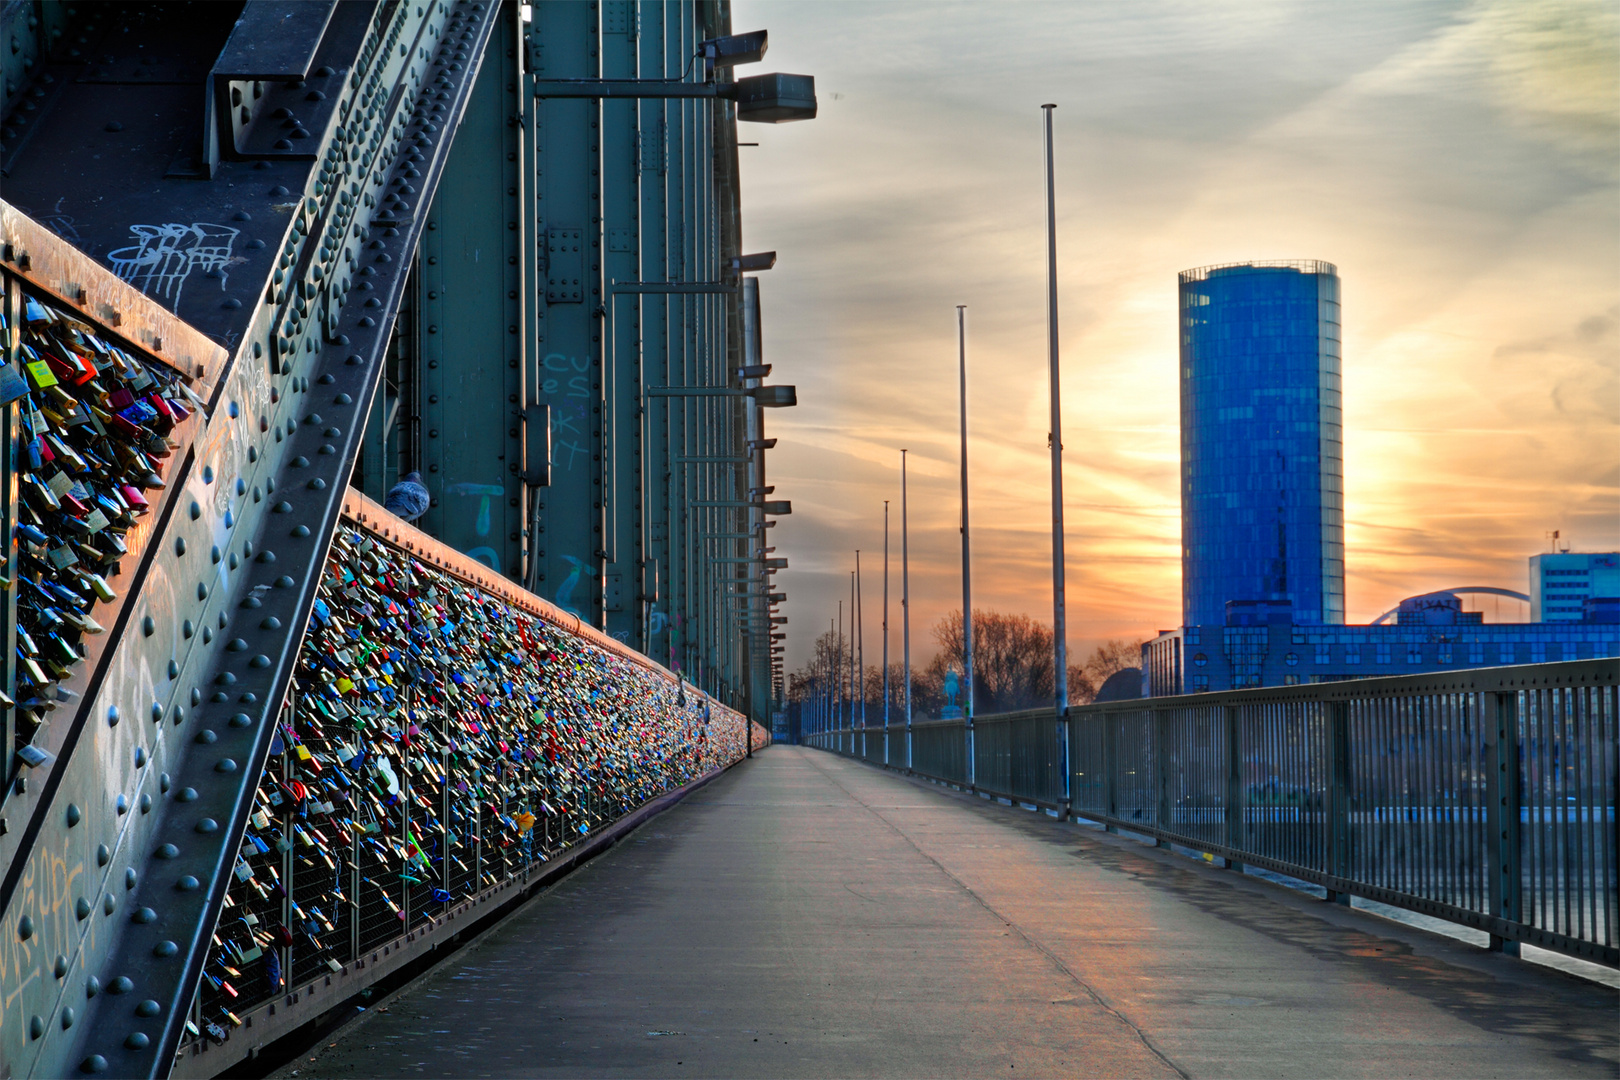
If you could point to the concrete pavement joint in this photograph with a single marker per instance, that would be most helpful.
(1051, 957)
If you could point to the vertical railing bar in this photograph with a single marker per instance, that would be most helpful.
(1569, 863)
(1584, 821)
(1608, 698)
(1450, 770)
(1545, 905)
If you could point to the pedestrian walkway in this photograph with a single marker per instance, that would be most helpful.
(808, 916)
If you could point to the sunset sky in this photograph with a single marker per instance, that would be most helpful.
(1458, 162)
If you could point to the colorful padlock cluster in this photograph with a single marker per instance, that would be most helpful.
(94, 422)
(436, 741)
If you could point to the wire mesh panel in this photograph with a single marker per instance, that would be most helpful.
(1485, 797)
(1088, 764)
(1195, 760)
(939, 750)
(1568, 765)
(1283, 773)
(1133, 767)
(1018, 754)
(1417, 806)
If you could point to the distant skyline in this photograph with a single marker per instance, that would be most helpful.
(1459, 163)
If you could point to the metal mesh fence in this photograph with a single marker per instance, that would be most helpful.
(1484, 797)
(435, 743)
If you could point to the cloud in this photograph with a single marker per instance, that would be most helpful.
(1457, 161)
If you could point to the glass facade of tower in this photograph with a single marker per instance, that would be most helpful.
(1262, 495)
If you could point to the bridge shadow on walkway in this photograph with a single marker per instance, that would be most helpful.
(806, 915)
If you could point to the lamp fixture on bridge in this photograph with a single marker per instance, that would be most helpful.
(758, 371)
(760, 444)
(731, 50)
(752, 264)
(774, 397)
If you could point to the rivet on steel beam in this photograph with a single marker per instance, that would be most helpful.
(148, 1008)
(74, 815)
(140, 754)
(148, 627)
(121, 804)
(137, 1040)
(187, 629)
(59, 966)
(187, 884)
(284, 582)
(317, 484)
(300, 531)
(165, 948)
(95, 1063)
(103, 856)
(82, 909)
(267, 557)
(236, 645)
(205, 736)
(207, 825)
(36, 1027)
(146, 803)
(260, 661)
(179, 545)
(225, 765)
(68, 1016)
(120, 985)
(92, 987)
(189, 794)
(166, 851)
(196, 510)
(131, 878)
(109, 904)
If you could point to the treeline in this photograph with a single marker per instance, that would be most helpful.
(1012, 666)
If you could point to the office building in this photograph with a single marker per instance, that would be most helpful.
(1262, 473)
(1569, 586)
(1262, 520)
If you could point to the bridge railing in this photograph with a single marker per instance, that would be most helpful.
(1485, 797)
(446, 736)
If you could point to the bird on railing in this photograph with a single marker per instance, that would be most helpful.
(409, 499)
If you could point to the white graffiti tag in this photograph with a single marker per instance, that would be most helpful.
(168, 254)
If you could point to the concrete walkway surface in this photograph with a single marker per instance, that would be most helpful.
(809, 916)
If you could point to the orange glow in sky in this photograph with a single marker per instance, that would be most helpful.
(1457, 162)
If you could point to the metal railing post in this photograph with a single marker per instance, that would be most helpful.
(1110, 768)
(1502, 812)
(1235, 806)
(1338, 801)
(1161, 774)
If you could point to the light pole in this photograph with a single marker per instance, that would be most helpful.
(1059, 602)
(886, 760)
(967, 561)
(905, 604)
(851, 724)
(860, 649)
(838, 672)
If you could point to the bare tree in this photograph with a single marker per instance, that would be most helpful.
(1012, 660)
(1113, 655)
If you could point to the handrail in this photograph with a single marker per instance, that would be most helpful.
(1483, 796)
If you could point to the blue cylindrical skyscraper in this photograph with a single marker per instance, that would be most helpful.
(1262, 473)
